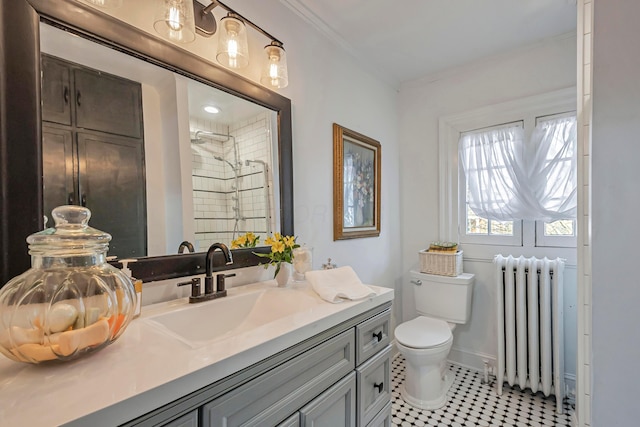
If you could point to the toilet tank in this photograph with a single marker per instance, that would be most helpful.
(443, 297)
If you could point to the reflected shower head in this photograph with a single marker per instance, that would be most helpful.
(226, 161)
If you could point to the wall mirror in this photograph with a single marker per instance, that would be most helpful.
(204, 179)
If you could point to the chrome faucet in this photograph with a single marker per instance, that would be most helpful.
(208, 278)
(186, 245)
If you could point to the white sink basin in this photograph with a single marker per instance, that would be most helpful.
(241, 311)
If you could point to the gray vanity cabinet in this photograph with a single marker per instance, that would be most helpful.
(371, 336)
(292, 421)
(334, 407)
(274, 395)
(187, 420)
(93, 150)
(383, 419)
(314, 383)
(374, 386)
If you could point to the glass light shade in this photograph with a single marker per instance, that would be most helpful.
(105, 3)
(275, 72)
(233, 48)
(174, 20)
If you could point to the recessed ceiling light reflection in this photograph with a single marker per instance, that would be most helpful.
(211, 109)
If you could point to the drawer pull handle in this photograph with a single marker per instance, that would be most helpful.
(379, 386)
(417, 282)
(378, 336)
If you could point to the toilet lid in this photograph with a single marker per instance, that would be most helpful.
(423, 332)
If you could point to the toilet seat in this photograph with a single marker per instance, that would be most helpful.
(423, 332)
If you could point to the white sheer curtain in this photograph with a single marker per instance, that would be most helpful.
(553, 171)
(505, 183)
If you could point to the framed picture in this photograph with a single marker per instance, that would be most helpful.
(356, 185)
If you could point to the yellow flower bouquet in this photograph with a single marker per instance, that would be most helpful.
(248, 240)
(281, 250)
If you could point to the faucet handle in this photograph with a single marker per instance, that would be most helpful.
(195, 286)
(220, 285)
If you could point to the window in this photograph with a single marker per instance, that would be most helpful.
(481, 235)
(490, 166)
(505, 176)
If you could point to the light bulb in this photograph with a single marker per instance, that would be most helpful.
(273, 71)
(232, 48)
(174, 18)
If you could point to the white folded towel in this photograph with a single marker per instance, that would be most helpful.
(338, 284)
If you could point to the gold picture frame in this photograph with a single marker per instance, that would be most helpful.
(356, 184)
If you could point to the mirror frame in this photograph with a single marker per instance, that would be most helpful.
(21, 193)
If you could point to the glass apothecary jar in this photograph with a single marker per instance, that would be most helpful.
(70, 302)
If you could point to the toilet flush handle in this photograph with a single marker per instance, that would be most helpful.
(417, 282)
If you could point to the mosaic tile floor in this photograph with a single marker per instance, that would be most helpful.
(471, 403)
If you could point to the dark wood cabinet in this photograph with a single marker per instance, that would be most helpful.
(57, 168)
(107, 104)
(56, 91)
(93, 151)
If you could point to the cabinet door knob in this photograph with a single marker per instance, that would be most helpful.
(65, 95)
(378, 386)
(78, 95)
(378, 336)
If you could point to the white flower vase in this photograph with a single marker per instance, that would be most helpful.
(283, 275)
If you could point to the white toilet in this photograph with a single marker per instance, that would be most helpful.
(441, 303)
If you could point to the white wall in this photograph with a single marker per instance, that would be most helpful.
(325, 86)
(615, 205)
(538, 69)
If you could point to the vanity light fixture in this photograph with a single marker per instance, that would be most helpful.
(275, 73)
(174, 20)
(211, 109)
(233, 49)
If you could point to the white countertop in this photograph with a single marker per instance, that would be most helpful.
(147, 368)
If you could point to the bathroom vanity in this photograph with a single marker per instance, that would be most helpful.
(287, 358)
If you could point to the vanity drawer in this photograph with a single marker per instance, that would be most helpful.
(372, 335)
(383, 419)
(374, 386)
(276, 394)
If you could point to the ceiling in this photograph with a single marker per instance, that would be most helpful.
(423, 37)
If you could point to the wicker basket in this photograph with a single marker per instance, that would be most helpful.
(442, 264)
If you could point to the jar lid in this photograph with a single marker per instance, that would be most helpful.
(71, 231)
